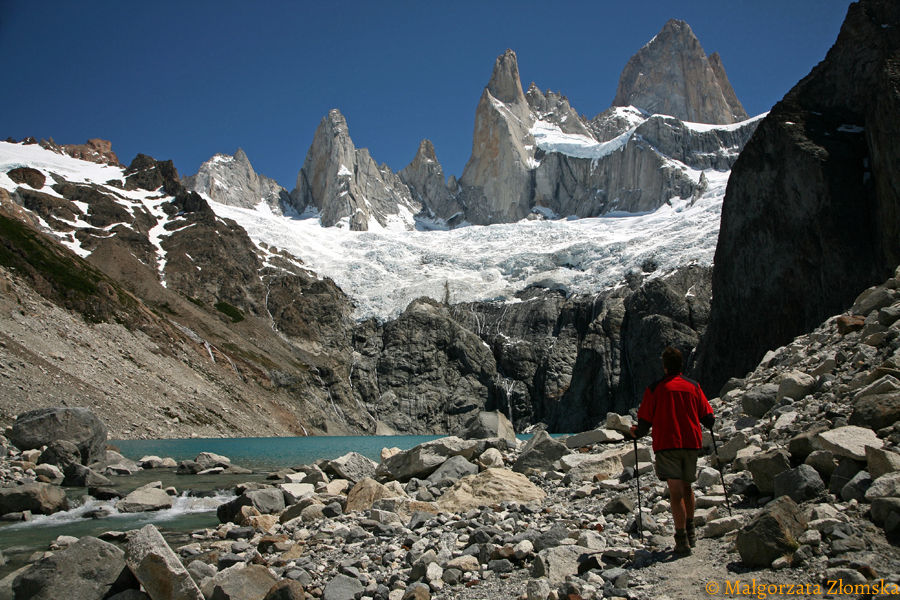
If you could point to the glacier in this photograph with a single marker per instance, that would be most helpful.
(383, 271)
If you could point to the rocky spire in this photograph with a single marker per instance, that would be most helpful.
(427, 184)
(672, 75)
(496, 181)
(343, 182)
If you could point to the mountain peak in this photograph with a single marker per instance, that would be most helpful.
(505, 84)
(671, 75)
(426, 150)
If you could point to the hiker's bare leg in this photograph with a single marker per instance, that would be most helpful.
(679, 502)
(687, 493)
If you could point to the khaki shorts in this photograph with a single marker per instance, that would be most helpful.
(677, 464)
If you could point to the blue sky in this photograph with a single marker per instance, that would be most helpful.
(185, 80)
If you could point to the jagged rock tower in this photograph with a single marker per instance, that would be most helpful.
(342, 182)
(672, 75)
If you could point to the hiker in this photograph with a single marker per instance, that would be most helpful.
(675, 407)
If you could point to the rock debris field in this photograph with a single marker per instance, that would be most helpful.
(807, 445)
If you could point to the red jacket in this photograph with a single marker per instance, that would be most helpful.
(674, 407)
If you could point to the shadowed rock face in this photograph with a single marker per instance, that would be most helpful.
(811, 215)
(672, 75)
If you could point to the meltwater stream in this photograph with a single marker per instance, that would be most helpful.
(199, 495)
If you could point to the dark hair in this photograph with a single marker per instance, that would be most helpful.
(672, 360)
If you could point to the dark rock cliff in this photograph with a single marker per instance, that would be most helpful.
(810, 217)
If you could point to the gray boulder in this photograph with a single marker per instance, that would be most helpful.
(795, 385)
(559, 562)
(857, 487)
(771, 533)
(39, 498)
(44, 426)
(455, 467)
(353, 467)
(266, 501)
(801, 484)
(158, 569)
(876, 411)
(422, 460)
(841, 476)
(249, 583)
(144, 499)
(286, 589)
(540, 452)
(88, 569)
(823, 462)
(342, 587)
(849, 441)
(209, 460)
(60, 453)
(77, 475)
(880, 462)
(489, 425)
(882, 508)
(765, 466)
(760, 400)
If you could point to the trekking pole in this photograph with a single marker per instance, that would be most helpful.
(721, 472)
(637, 478)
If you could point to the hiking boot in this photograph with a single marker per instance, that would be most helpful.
(682, 546)
(691, 532)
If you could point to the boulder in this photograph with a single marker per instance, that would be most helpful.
(39, 498)
(620, 423)
(365, 493)
(77, 475)
(252, 582)
(453, 468)
(881, 462)
(795, 385)
(823, 462)
(540, 452)
(758, 401)
(491, 486)
(266, 501)
(876, 411)
(209, 460)
(144, 499)
(44, 426)
(802, 445)
(60, 453)
(849, 441)
(489, 425)
(882, 508)
(886, 486)
(559, 562)
(801, 484)
(422, 460)
(286, 589)
(728, 451)
(595, 436)
(353, 467)
(491, 458)
(771, 533)
(857, 487)
(158, 568)
(294, 491)
(342, 587)
(765, 466)
(719, 527)
(88, 569)
(841, 476)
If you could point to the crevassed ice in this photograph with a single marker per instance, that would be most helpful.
(383, 271)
